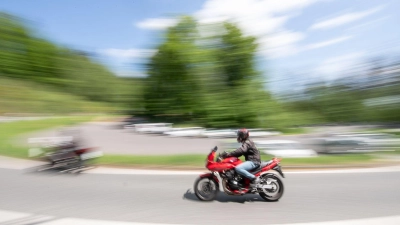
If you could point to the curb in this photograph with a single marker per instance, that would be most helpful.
(285, 167)
(382, 163)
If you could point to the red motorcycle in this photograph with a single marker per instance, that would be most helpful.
(270, 188)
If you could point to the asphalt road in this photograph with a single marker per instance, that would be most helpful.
(169, 198)
(120, 141)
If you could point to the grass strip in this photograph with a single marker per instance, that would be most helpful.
(199, 160)
(10, 130)
(330, 159)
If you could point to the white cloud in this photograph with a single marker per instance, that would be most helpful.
(127, 53)
(262, 18)
(284, 44)
(367, 25)
(334, 67)
(280, 44)
(344, 19)
(254, 16)
(157, 23)
(326, 43)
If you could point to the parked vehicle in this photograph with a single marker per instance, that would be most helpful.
(152, 128)
(127, 123)
(223, 133)
(375, 141)
(262, 133)
(206, 186)
(284, 148)
(340, 145)
(185, 132)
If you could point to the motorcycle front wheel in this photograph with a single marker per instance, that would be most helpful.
(271, 194)
(205, 188)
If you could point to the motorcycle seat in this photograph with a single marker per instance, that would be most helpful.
(262, 165)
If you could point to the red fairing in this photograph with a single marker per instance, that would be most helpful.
(83, 150)
(210, 175)
(269, 167)
(226, 164)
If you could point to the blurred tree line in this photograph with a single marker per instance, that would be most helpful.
(205, 74)
(201, 74)
(371, 94)
(25, 56)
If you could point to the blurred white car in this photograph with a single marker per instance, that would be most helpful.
(185, 132)
(223, 133)
(333, 145)
(152, 128)
(262, 133)
(375, 141)
(284, 148)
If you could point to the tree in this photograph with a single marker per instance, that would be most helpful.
(24, 55)
(214, 84)
(239, 98)
(172, 87)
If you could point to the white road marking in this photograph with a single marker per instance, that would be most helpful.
(17, 218)
(75, 221)
(10, 215)
(391, 220)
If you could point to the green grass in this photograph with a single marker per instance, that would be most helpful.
(198, 161)
(10, 130)
(328, 159)
(20, 96)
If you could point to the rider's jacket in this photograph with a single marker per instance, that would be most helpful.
(249, 151)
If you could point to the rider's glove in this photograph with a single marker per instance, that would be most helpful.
(224, 154)
(214, 149)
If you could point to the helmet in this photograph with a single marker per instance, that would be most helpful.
(242, 135)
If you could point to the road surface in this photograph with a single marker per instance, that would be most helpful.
(169, 199)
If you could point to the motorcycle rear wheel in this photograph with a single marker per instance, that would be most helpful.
(205, 188)
(274, 194)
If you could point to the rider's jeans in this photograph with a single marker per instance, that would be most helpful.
(244, 168)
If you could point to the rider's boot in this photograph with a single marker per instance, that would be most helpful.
(255, 182)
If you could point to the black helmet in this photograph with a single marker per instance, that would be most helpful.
(242, 135)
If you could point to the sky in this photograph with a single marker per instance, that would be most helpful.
(299, 40)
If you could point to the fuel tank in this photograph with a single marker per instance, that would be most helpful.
(232, 160)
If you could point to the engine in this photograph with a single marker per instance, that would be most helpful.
(235, 181)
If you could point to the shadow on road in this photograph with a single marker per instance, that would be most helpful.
(48, 170)
(224, 198)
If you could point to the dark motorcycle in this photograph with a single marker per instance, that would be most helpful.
(66, 157)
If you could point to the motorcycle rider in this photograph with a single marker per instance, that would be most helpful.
(251, 154)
